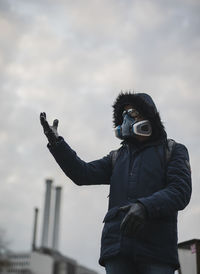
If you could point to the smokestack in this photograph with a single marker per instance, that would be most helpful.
(35, 229)
(56, 224)
(45, 229)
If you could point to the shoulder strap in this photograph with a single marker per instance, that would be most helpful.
(169, 149)
(114, 155)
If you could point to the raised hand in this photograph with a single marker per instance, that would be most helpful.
(50, 131)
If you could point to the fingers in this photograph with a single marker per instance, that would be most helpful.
(125, 208)
(50, 131)
(126, 218)
(42, 117)
(133, 228)
(55, 123)
(131, 225)
(44, 122)
(137, 228)
(129, 228)
(124, 223)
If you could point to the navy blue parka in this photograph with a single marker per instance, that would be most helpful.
(140, 174)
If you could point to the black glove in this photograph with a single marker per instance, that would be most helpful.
(50, 131)
(134, 219)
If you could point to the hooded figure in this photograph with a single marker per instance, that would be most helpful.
(144, 104)
(146, 190)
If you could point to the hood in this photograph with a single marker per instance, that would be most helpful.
(143, 103)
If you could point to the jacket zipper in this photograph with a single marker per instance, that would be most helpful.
(132, 159)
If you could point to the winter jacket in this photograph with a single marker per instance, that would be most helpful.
(140, 174)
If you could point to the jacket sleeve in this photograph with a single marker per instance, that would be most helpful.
(176, 195)
(81, 173)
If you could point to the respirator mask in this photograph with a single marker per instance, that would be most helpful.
(131, 126)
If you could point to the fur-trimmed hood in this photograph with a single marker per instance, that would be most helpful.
(145, 105)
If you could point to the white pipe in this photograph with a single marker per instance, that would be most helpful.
(56, 224)
(47, 204)
(35, 229)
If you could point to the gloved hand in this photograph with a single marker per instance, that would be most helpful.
(134, 219)
(50, 131)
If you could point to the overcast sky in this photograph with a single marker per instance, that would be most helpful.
(71, 59)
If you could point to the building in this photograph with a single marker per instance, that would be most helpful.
(43, 261)
(189, 256)
(46, 259)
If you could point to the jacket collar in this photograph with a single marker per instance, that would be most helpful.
(143, 145)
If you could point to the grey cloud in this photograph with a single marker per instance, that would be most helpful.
(71, 60)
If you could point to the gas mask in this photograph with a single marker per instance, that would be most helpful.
(131, 127)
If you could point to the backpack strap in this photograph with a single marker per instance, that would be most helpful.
(114, 155)
(169, 150)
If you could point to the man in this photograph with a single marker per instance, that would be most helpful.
(149, 183)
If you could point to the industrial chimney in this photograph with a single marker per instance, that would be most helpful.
(46, 219)
(56, 223)
(35, 229)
